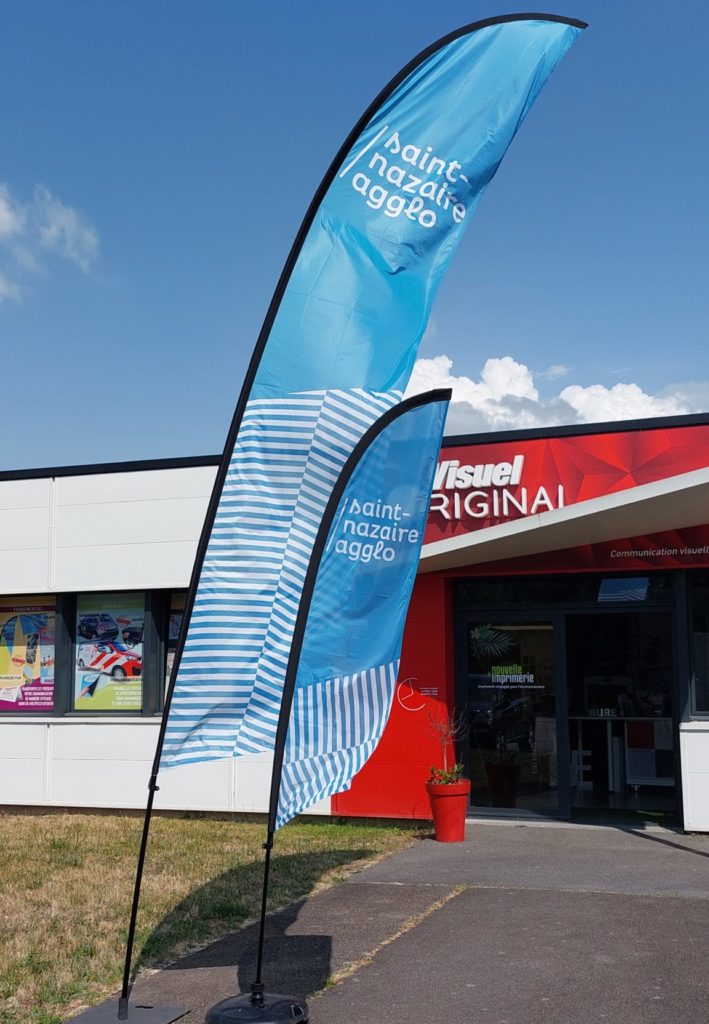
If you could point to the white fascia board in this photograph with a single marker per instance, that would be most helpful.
(673, 503)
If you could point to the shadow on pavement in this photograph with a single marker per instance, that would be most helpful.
(292, 964)
(298, 964)
(667, 842)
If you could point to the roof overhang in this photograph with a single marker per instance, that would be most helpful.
(674, 503)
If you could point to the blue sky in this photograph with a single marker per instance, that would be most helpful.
(156, 159)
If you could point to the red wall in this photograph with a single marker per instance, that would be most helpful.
(391, 784)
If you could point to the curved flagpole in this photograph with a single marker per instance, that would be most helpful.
(254, 363)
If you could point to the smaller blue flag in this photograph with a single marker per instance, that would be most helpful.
(349, 658)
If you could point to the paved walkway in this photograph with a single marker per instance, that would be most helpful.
(520, 924)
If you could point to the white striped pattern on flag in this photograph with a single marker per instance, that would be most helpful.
(334, 727)
(288, 455)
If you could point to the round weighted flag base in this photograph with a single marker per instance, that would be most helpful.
(270, 1009)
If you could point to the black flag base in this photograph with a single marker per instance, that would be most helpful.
(137, 1013)
(267, 1008)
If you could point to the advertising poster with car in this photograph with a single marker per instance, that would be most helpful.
(26, 655)
(109, 652)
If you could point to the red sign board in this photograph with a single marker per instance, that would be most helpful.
(481, 485)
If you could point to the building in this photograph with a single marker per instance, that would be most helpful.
(562, 601)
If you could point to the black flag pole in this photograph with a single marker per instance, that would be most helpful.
(259, 1005)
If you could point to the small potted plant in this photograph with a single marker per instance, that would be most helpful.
(447, 791)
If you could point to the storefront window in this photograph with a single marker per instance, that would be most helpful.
(109, 652)
(27, 654)
(699, 593)
(177, 609)
(511, 712)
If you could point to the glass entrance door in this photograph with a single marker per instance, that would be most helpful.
(510, 704)
(619, 674)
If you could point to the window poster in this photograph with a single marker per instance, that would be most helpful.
(27, 654)
(177, 610)
(109, 652)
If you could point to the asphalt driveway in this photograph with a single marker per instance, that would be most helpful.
(520, 924)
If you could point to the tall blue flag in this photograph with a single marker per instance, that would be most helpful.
(349, 658)
(335, 352)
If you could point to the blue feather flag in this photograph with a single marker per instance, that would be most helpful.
(349, 659)
(336, 351)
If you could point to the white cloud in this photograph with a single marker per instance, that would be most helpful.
(693, 394)
(11, 216)
(554, 371)
(500, 377)
(506, 397)
(622, 401)
(62, 229)
(32, 233)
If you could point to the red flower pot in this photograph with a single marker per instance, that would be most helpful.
(449, 806)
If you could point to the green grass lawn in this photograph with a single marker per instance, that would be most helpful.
(67, 880)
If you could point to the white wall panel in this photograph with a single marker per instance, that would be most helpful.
(102, 763)
(695, 755)
(72, 762)
(25, 525)
(694, 750)
(22, 780)
(125, 566)
(145, 485)
(76, 782)
(24, 747)
(25, 528)
(130, 522)
(22, 738)
(129, 530)
(253, 784)
(25, 493)
(93, 739)
(197, 787)
(103, 531)
(25, 571)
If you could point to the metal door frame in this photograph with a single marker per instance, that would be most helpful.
(463, 620)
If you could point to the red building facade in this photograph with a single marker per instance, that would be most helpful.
(562, 603)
